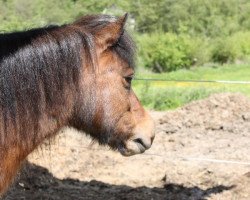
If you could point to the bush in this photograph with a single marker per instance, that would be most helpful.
(231, 48)
(165, 52)
(200, 51)
(225, 51)
(242, 39)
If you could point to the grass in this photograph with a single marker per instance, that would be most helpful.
(161, 95)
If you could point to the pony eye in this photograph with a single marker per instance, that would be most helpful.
(129, 79)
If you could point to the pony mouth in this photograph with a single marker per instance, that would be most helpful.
(132, 147)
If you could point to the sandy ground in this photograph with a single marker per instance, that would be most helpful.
(72, 167)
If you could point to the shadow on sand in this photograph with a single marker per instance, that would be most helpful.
(37, 183)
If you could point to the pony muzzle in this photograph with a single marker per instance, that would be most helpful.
(142, 139)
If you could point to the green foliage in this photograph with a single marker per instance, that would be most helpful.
(171, 98)
(176, 34)
(225, 51)
(200, 50)
(215, 72)
(170, 95)
(242, 40)
(24, 14)
(231, 48)
(210, 18)
(164, 52)
(168, 52)
(207, 17)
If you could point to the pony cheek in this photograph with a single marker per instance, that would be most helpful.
(124, 127)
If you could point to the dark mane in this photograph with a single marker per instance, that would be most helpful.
(36, 66)
(11, 42)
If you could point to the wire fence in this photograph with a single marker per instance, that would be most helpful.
(189, 159)
(194, 81)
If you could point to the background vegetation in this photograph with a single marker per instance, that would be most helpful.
(171, 35)
(162, 95)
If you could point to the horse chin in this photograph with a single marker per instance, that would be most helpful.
(132, 148)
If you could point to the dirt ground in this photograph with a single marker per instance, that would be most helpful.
(72, 167)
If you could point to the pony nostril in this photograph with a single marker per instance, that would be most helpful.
(139, 140)
(143, 143)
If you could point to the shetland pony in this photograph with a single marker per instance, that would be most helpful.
(76, 75)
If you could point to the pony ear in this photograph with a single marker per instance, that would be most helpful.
(110, 34)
